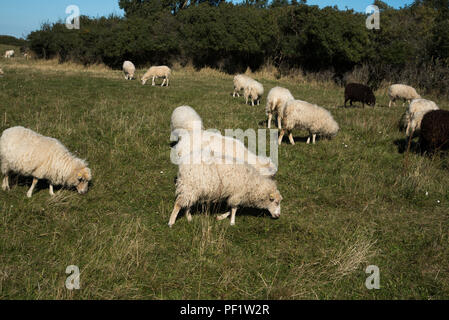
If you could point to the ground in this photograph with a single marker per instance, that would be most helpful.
(350, 202)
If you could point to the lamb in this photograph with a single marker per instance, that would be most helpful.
(310, 117)
(186, 118)
(129, 69)
(277, 97)
(402, 91)
(434, 135)
(157, 72)
(240, 185)
(415, 113)
(253, 90)
(9, 54)
(240, 82)
(28, 153)
(355, 92)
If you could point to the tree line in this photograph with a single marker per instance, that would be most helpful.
(412, 44)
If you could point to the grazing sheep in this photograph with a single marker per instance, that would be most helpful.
(309, 117)
(186, 118)
(240, 185)
(9, 54)
(401, 91)
(355, 92)
(414, 114)
(129, 69)
(28, 153)
(434, 135)
(215, 144)
(277, 97)
(253, 90)
(157, 72)
(240, 82)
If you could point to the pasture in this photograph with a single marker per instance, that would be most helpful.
(348, 203)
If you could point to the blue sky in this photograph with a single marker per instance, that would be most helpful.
(20, 17)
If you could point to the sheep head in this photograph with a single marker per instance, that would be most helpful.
(80, 179)
(273, 204)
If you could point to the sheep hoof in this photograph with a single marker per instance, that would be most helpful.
(29, 195)
(232, 224)
(170, 225)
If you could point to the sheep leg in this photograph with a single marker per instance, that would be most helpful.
(279, 123)
(223, 216)
(389, 105)
(252, 102)
(174, 215)
(188, 215)
(30, 192)
(163, 82)
(168, 81)
(233, 212)
(270, 117)
(51, 190)
(5, 185)
(314, 139)
(153, 83)
(290, 137)
(308, 140)
(281, 136)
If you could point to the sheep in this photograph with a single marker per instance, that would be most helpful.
(186, 118)
(254, 90)
(240, 185)
(9, 54)
(402, 91)
(434, 135)
(215, 144)
(28, 153)
(240, 82)
(277, 97)
(358, 92)
(310, 117)
(157, 72)
(129, 69)
(414, 114)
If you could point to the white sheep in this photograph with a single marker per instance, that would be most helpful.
(9, 54)
(157, 72)
(402, 91)
(253, 90)
(240, 185)
(186, 118)
(240, 82)
(129, 69)
(306, 116)
(414, 114)
(277, 97)
(28, 153)
(215, 144)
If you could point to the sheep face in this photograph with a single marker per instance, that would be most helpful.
(81, 179)
(274, 204)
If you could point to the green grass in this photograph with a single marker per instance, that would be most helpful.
(348, 203)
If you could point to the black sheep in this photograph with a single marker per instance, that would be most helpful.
(356, 92)
(434, 134)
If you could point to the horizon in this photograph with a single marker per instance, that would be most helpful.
(18, 19)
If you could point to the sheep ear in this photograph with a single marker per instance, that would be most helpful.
(272, 197)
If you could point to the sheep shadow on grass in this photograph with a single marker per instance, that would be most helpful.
(403, 145)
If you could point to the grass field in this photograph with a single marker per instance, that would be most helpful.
(348, 203)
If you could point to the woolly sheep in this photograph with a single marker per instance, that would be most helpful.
(277, 97)
(434, 135)
(356, 92)
(240, 185)
(415, 113)
(402, 91)
(157, 72)
(28, 153)
(215, 144)
(253, 90)
(129, 69)
(9, 54)
(186, 118)
(240, 82)
(310, 117)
